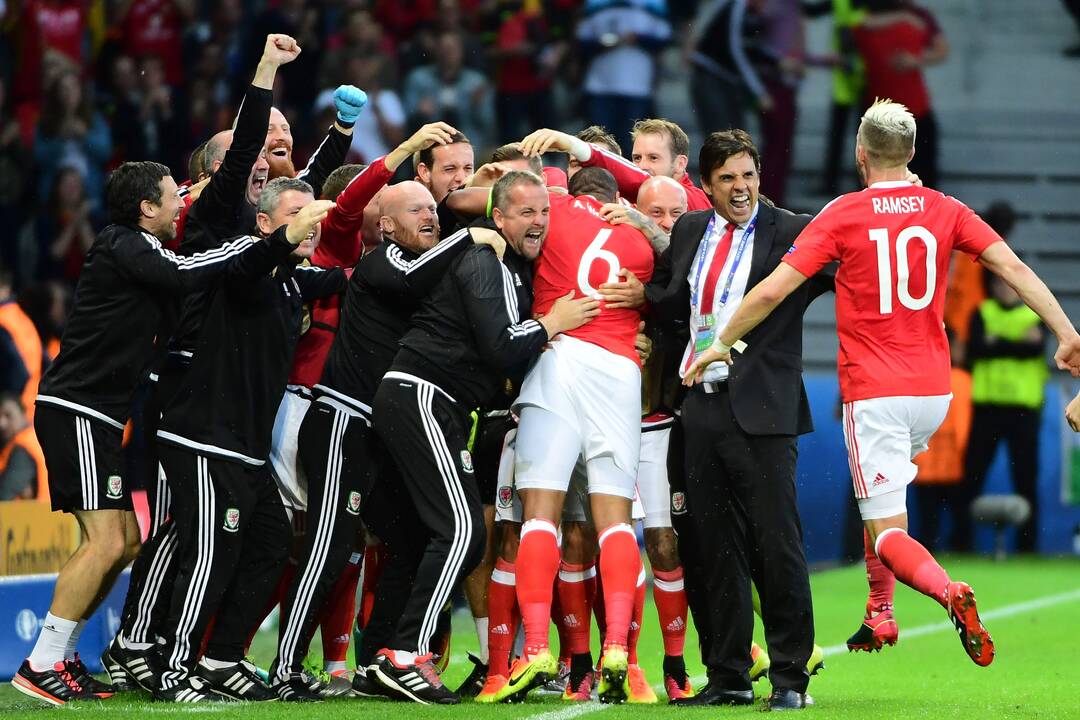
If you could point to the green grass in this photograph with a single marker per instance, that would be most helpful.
(927, 675)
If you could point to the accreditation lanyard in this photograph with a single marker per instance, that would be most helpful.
(704, 324)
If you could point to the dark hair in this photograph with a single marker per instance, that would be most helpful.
(512, 151)
(129, 185)
(52, 111)
(427, 155)
(595, 181)
(338, 180)
(197, 162)
(500, 194)
(1001, 217)
(720, 146)
(598, 135)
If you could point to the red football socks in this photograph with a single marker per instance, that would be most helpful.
(635, 622)
(575, 611)
(620, 566)
(503, 616)
(671, 607)
(537, 564)
(337, 617)
(374, 557)
(912, 564)
(880, 578)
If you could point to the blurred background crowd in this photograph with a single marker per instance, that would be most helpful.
(88, 84)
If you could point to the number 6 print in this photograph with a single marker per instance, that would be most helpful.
(595, 252)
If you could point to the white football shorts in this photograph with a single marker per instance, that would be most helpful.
(508, 504)
(653, 491)
(292, 485)
(883, 435)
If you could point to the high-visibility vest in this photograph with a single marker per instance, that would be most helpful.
(1005, 380)
(28, 343)
(27, 440)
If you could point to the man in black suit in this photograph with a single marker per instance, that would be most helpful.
(741, 426)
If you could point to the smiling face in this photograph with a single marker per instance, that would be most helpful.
(663, 200)
(524, 221)
(451, 166)
(653, 153)
(290, 202)
(160, 219)
(279, 146)
(409, 216)
(260, 175)
(734, 188)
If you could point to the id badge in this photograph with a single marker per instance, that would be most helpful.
(705, 329)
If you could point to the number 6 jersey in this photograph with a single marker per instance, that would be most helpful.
(581, 253)
(894, 241)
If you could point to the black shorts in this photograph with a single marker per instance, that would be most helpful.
(84, 461)
(487, 452)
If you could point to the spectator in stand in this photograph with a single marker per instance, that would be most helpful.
(147, 120)
(938, 484)
(65, 228)
(381, 126)
(361, 34)
(17, 326)
(524, 58)
(295, 87)
(47, 27)
(154, 28)
(22, 465)
(620, 41)
(896, 41)
(71, 133)
(47, 305)
(401, 18)
(1006, 353)
(449, 92)
(14, 178)
(785, 45)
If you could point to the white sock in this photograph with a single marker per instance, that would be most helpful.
(482, 634)
(73, 641)
(217, 664)
(333, 666)
(404, 657)
(51, 642)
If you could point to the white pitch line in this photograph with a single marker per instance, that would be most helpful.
(576, 711)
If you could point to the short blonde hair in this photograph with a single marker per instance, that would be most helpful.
(676, 136)
(887, 133)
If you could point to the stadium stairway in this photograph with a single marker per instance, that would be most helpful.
(1008, 114)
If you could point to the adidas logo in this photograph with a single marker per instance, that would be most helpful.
(879, 479)
(501, 629)
(676, 625)
(635, 626)
(571, 621)
(342, 638)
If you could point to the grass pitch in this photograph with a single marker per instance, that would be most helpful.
(1031, 606)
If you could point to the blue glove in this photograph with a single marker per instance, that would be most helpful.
(349, 101)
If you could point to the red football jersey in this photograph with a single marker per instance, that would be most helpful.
(893, 241)
(581, 253)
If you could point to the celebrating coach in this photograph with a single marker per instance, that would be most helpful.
(741, 425)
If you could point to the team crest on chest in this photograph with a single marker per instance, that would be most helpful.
(506, 496)
(232, 520)
(466, 461)
(114, 487)
(678, 503)
(353, 506)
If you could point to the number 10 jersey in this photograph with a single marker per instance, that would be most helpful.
(894, 242)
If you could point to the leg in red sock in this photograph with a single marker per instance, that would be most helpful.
(881, 579)
(575, 613)
(912, 564)
(620, 566)
(502, 616)
(639, 614)
(671, 608)
(536, 567)
(337, 618)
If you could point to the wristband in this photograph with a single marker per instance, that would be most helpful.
(487, 210)
(580, 150)
(720, 347)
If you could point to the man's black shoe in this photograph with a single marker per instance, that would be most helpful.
(475, 682)
(786, 699)
(716, 695)
(295, 688)
(364, 685)
(143, 667)
(55, 686)
(190, 690)
(119, 679)
(418, 681)
(88, 682)
(238, 681)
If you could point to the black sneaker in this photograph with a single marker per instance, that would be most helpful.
(141, 666)
(473, 684)
(87, 681)
(118, 678)
(417, 681)
(296, 688)
(363, 685)
(55, 687)
(192, 689)
(239, 681)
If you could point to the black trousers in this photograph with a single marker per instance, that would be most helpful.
(233, 539)
(1018, 427)
(426, 433)
(691, 551)
(336, 459)
(741, 495)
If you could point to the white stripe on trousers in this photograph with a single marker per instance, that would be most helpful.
(309, 580)
(200, 576)
(462, 520)
(155, 578)
(87, 463)
(162, 501)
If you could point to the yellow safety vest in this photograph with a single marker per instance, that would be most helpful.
(1004, 380)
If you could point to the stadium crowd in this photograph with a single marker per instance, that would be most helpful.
(497, 366)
